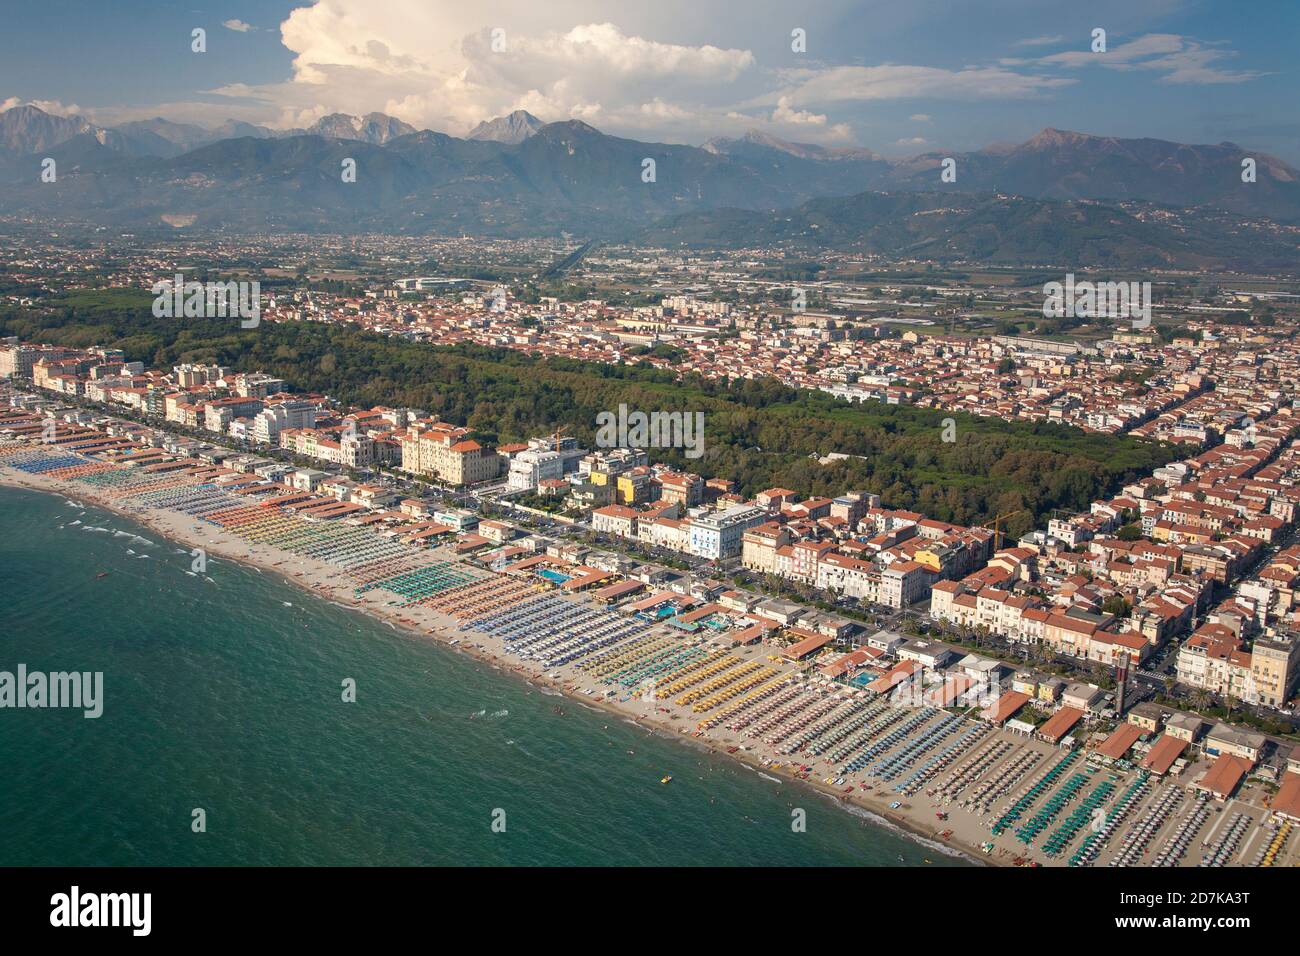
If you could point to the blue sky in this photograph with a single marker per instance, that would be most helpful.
(898, 76)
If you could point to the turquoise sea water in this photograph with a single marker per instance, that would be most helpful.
(218, 695)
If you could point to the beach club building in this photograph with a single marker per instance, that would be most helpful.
(931, 655)
(1286, 802)
(1224, 776)
(1240, 743)
(1060, 724)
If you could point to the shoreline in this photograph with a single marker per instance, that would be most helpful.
(314, 579)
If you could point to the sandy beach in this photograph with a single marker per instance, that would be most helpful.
(916, 817)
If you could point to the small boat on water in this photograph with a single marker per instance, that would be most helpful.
(667, 779)
(102, 574)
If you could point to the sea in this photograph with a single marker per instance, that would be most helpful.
(225, 738)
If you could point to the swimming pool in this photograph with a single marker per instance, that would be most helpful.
(554, 576)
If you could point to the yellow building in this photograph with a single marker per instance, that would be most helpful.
(634, 487)
(1273, 669)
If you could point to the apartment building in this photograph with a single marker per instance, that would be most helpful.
(718, 535)
(635, 486)
(664, 532)
(617, 520)
(444, 452)
(799, 561)
(1215, 659)
(220, 412)
(271, 420)
(759, 545)
(904, 583)
(189, 375)
(850, 576)
(18, 360)
(1275, 665)
(255, 384)
(686, 490)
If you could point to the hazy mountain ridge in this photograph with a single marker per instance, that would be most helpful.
(1059, 164)
(513, 128)
(29, 129)
(373, 128)
(755, 139)
(571, 176)
(997, 229)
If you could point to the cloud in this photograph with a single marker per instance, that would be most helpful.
(1193, 66)
(804, 122)
(605, 50)
(53, 107)
(658, 109)
(445, 66)
(896, 82)
(1181, 59)
(911, 141)
(239, 26)
(784, 113)
(1124, 55)
(920, 117)
(1040, 41)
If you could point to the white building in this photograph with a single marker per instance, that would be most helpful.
(718, 535)
(530, 468)
(268, 423)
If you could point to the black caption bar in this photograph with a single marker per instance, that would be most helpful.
(332, 905)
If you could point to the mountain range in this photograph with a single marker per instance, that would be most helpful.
(998, 229)
(29, 129)
(515, 175)
(513, 128)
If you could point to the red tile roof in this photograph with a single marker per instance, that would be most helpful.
(1286, 801)
(1224, 776)
(1060, 724)
(1007, 704)
(1118, 743)
(1163, 753)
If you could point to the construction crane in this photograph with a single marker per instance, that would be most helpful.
(556, 436)
(997, 526)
